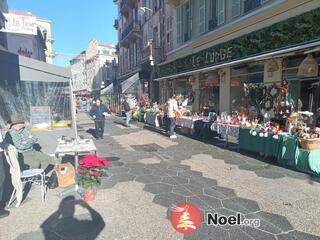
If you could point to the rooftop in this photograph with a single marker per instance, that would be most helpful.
(29, 14)
(110, 45)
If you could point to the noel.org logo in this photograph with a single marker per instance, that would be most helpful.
(186, 218)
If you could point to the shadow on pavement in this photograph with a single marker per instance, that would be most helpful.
(92, 132)
(65, 225)
(120, 123)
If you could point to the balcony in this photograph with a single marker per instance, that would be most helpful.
(131, 33)
(157, 56)
(117, 49)
(126, 6)
(116, 24)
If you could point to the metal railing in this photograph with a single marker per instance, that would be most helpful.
(134, 25)
(114, 102)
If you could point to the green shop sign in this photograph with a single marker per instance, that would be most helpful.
(293, 31)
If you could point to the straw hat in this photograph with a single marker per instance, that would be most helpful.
(16, 118)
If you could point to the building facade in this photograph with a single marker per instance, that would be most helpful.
(215, 47)
(211, 49)
(45, 27)
(3, 35)
(90, 68)
(140, 26)
(79, 82)
(28, 45)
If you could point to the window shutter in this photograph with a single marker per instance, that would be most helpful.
(221, 11)
(179, 24)
(202, 16)
(236, 8)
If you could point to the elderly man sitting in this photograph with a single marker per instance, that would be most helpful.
(21, 137)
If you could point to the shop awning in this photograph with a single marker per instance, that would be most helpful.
(108, 90)
(34, 70)
(125, 85)
(243, 60)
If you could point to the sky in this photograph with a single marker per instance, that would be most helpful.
(74, 22)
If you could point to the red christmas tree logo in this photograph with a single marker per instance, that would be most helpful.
(186, 218)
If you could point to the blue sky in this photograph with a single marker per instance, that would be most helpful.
(74, 22)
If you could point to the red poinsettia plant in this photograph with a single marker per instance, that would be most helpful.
(90, 171)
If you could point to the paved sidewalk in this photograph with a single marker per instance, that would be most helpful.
(150, 173)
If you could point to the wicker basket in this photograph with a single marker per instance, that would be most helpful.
(310, 144)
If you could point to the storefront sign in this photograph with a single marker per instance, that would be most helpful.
(211, 57)
(20, 24)
(25, 52)
(251, 44)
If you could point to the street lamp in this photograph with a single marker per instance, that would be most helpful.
(142, 10)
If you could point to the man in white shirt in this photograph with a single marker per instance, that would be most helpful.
(3, 213)
(172, 108)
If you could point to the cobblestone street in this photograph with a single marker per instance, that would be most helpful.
(150, 173)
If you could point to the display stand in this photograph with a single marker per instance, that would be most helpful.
(75, 148)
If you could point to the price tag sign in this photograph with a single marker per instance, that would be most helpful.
(40, 117)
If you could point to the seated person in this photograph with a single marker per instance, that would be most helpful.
(19, 136)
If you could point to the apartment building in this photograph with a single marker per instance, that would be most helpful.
(91, 68)
(3, 36)
(79, 81)
(140, 26)
(214, 47)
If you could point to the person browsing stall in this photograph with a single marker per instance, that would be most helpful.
(172, 109)
(98, 112)
(127, 109)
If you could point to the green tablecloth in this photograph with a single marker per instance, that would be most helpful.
(304, 160)
(285, 149)
(267, 145)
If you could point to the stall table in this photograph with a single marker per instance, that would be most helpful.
(226, 130)
(291, 155)
(75, 148)
(285, 149)
(265, 145)
(151, 118)
(187, 124)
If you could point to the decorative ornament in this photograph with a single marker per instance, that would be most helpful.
(309, 67)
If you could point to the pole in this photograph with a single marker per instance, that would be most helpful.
(73, 111)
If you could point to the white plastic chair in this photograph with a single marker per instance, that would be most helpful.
(20, 178)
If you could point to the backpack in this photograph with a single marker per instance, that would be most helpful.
(126, 107)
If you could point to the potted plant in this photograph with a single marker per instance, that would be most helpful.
(92, 168)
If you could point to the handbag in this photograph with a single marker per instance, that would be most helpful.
(53, 181)
(177, 114)
(66, 174)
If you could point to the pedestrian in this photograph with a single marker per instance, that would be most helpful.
(3, 212)
(127, 109)
(25, 143)
(98, 112)
(172, 110)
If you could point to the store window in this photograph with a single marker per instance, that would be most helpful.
(304, 90)
(236, 8)
(184, 20)
(221, 10)
(210, 90)
(202, 16)
(212, 14)
(242, 76)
